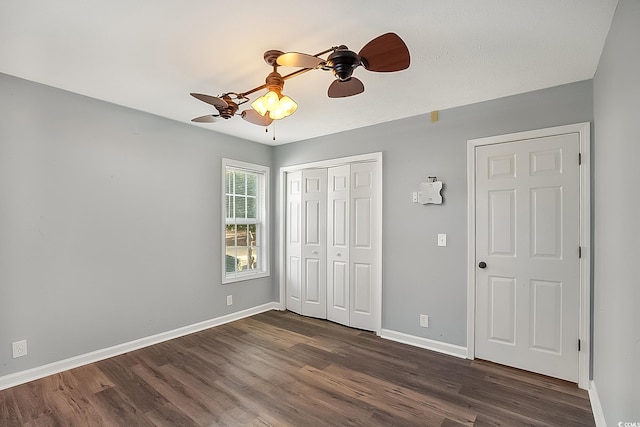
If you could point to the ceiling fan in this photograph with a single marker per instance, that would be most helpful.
(384, 54)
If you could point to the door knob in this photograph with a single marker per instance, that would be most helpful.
(482, 264)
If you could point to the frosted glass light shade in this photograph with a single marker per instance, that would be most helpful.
(260, 106)
(288, 105)
(278, 107)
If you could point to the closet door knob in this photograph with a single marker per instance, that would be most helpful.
(315, 252)
(338, 254)
(482, 264)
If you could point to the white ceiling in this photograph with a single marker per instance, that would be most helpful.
(150, 54)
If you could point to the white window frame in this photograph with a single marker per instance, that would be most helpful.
(262, 209)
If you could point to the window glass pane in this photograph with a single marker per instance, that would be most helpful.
(228, 182)
(229, 206)
(253, 258)
(242, 235)
(251, 207)
(253, 235)
(242, 255)
(230, 263)
(230, 243)
(230, 236)
(240, 183)
(252, 185)
(240, 207)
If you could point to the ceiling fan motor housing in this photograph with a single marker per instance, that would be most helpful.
(274, 81)
(342, 62)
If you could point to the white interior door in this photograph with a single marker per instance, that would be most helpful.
(527, 262)
(314, 242)
(364, 245)
(293, 242)
(338, 301)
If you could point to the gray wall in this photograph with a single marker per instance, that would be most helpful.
(616, 362)
(418, 276)
(109, 224)
(110, 218)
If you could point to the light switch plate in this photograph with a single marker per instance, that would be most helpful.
(442, 240)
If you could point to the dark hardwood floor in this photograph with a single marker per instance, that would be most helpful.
(278, 368)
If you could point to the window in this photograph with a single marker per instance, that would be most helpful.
(245, 221)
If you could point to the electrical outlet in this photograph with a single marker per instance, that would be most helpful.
(415, 197)
(19, 348)
(442, 240)
(424, 320)
(229, 299)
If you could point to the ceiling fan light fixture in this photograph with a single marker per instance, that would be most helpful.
(277, 106)
(384, 54)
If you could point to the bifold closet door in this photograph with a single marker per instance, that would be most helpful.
(306, 240)
(338, 292)
(332, 245)
(314, 243)
(293, 242)
(364, 246)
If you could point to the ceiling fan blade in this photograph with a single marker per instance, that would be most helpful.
(252, 116)
(342, 89)
(295, 59)
(209, 118)
(215, 101)
(385, 54)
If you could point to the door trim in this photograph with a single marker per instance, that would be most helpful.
(282, 193)
(584, 316)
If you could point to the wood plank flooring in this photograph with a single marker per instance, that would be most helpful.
(281, 369)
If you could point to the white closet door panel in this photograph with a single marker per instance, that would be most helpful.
(293, 279)
(362, 292)
(293, 243)
(339, 217)
(364, 246)
(338, 292)
(314, 251)
(312, 292)
(362, 238)
(313, 219)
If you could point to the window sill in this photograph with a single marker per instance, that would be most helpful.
(243, 277)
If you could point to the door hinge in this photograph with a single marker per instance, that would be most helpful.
(579, 344)
(579, 251)
(579, 158)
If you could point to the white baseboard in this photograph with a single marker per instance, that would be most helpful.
(596, 407)
(22, 377)
(439, 346)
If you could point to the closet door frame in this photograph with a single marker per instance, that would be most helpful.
(282, 191)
